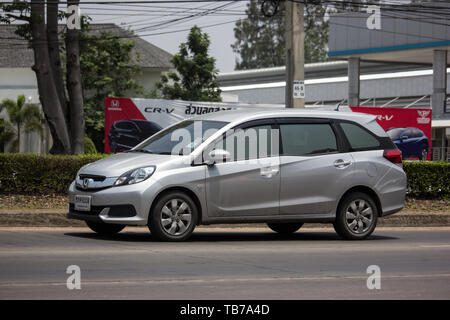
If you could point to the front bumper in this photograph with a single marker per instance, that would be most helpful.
(128, 205)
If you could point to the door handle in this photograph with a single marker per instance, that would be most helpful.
(340, 163)
(269, 172)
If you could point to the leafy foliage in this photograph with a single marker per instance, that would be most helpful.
(261, 41)
(23, 173)
(89, 146)
(21, 116)
(195, 79)
(428, 179)
(7, 134)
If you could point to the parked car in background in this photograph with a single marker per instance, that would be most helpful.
(412, 142)
(125, 134)
(283, 168)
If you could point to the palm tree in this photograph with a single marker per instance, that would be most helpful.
(21, 115)
(7, 134)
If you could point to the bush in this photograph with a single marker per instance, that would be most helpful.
(40, 174)
(429, 180)
(89, 146)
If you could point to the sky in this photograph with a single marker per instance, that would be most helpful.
(150, 19)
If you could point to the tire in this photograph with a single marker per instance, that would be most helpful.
(353, 220)
(105, 228)
(167, 223)
(285, 228)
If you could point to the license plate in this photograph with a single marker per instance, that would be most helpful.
(83, 203)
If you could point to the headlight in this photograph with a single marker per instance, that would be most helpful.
(135, 176)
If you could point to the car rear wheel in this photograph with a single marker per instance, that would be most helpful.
(285, 228)
(173, 217)
(356, 218)
(105, 228)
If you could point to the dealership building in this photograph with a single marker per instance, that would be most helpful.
(404, 64)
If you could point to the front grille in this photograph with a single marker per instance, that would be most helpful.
(94, 183)
(93, 177)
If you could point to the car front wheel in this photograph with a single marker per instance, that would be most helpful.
(356, 217)
(173, 217)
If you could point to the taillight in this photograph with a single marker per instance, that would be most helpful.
(393, 155)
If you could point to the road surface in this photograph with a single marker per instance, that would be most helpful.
(224, 264)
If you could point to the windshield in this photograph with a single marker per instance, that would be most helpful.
(180, 139)
(395, 133)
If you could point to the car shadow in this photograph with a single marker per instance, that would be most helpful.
(228, 236)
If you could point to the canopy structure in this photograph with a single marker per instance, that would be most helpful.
(405, 35)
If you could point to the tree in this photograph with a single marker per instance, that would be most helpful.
(74, 88)
(261, 41)
(7, 134)
(195, 79)
(67, 128)
(108, 69)
(22, 116)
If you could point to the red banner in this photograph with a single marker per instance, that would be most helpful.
(410, 129)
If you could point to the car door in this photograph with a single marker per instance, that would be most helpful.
(248, 184)
(313, 170)
(408, 143)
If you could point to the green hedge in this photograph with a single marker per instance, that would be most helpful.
(89, 146)
(39, 174)
(429, 180)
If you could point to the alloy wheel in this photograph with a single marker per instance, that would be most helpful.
(359, 216)
(176, 217)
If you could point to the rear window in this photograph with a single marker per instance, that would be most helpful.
(307, 139)
(359, 138)
(395, 133)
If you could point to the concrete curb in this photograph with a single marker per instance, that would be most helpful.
(58, 219)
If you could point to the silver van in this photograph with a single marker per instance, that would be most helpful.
(280, 167)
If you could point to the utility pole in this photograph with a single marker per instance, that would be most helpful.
(295, 56)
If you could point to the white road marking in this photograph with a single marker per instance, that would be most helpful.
(221, 280)
(436, 246)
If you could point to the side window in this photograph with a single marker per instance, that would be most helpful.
(408, 133)
(307, 139)
(126, 126)
(249, 143)
(359, 138)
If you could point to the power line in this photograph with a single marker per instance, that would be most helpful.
(199, 13)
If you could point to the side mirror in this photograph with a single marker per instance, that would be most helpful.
(217, 155)
(403, 138)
